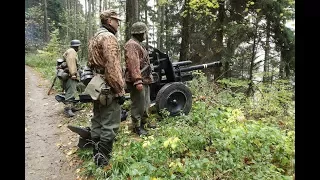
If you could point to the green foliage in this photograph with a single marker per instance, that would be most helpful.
(222, 144)
(45, 60)
(54, 9)
(272, 100)
(43, 65)
(46, 67)
(53, 49)
(204, 6)
(198, 87)
(33, 25)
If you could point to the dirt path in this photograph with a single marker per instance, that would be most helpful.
(48, 143)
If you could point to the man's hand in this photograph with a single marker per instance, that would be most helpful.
(120, 99)
(139, 87)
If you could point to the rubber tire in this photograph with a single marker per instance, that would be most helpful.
(167, 90)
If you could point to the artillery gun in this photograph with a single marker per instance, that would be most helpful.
(168, 89)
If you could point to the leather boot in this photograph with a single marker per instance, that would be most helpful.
(68, 112)
(140, 130)
(85, 140)
(104, 153)
(84, 143)
(95, 144)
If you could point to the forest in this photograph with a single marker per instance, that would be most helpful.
(241, 125)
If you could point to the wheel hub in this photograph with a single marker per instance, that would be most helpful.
(176, 102)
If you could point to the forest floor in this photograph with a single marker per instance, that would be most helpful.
(49, 144)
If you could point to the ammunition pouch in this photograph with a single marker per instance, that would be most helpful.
(86, 75)
(99, 90)
(62, 75)
(62, 65)
(106, 96)
(59, 61)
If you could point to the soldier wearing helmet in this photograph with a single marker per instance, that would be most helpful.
(69, 83)
(138, 77)
(104, 59)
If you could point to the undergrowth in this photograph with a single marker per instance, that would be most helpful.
(225, 136)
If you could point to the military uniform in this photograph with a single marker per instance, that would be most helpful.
(138, 71)
(70, 85)
(104, 59)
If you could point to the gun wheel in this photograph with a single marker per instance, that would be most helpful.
(174, 97)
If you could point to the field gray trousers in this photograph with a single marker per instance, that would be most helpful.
(140, 102)
(105, 121)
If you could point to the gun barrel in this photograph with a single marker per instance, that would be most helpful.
(181, 63)
(201, 66)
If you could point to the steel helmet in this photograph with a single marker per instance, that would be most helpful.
(75, 43)
(138, 28)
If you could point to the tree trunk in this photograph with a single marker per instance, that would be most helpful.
(287, 70)
(100, 6)
(74, 15)
(70, 24)
(94, 3)
(105, 4)
(160, 19)
(136, 10)
(67, 20)
(242, 68)
(89, 19)
(167, 29)
(46, 26)
(266, 55)
(229, 53)
(158, 14)
(146, 21)
(132, 16)
(282, 64)
(85, 36)
(219, 33)
(185, 33)
(249, 91)
(219, 37)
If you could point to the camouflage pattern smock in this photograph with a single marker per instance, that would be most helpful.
(104, 55)
(137, 58)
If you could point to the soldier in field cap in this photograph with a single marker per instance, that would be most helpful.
(104, 59)
(110, 13)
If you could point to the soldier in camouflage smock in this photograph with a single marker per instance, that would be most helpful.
(70, 57)
(104, 60)
(138, 77)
